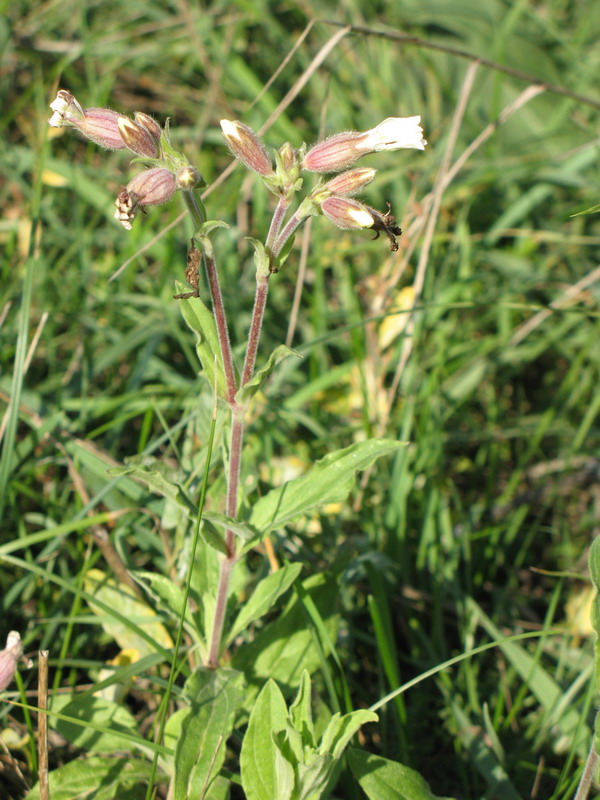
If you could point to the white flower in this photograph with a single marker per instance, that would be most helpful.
(393, 133)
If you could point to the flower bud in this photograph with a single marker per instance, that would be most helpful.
(101, 125)
(148, 123)
(150, 188)
(347, 214)
(342, 150)
(287, 154)
(9, 658)
(245, 145)
(351, 181)
(187, 178)
(137, 138)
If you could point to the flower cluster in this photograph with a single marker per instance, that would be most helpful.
(336, 154)
(166, 169)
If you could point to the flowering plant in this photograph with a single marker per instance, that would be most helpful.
(224, 537)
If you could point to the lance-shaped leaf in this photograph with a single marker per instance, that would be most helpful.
(382, 779)
(329, 481)
(249, 389)
(198, 317)
(100, 777)
(224, 523)
(153, 475)
(264, 597)
(265, 774)
(167, 595)
(215, 696)
(286, 646)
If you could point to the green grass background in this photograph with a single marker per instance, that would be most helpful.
(480, 527)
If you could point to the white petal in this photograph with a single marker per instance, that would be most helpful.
(230, 128)
(394, 133)
(361, 216)
(56, 120)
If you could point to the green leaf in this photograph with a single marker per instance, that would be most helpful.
(313, 776)
(213, 537)
(167, 595)
(242, 529)
(329, 481)
(264, 597)
(265, 774)
(95, 711)
(285, 647)
(594, 563)
(208, 227)
(341, 729)
(152, 473)
(215, 696)
(200, 319)
(283, 255)
(382, 779)
(247, 392)
(591, 210)
(131, 608)
(97, 778)
(262, 260)
(301, 713)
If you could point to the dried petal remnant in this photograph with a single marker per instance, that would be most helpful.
(150, 188)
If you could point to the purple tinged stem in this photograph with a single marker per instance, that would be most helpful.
(236, 444)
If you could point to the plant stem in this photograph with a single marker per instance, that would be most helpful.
(277, 221)
(587, 777)
(217, 299)
(290, 229)
(274, 243)
(260, 301)
(235, 458)
(221, 321)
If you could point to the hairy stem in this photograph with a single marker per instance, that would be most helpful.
(217, 300)
(260, 301)
(290, 228)
(238, 413)
(276, 222)
(235, 458)
(587, 777)
(221, 322)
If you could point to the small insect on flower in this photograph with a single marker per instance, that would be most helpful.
(386, 223)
